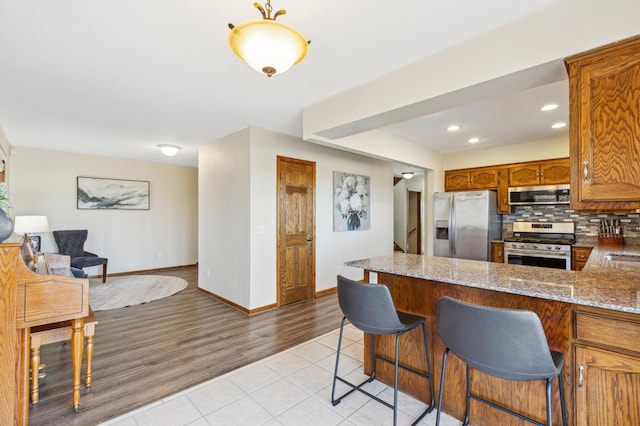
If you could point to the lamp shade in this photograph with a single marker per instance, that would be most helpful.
(268, 46)
(31, 224)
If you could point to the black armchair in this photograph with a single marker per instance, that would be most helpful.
(71, 243)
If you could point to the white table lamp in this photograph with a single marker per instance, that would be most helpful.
(31, 225)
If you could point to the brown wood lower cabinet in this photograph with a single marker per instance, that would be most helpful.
(604, 388)
(579, 257)
(497, 251)
(607, 368)
(601, 349)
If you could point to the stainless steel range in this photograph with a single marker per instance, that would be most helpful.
(546, 244)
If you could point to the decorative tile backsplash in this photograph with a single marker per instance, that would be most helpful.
(586, 224)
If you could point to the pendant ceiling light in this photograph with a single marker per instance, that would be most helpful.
(268, 46)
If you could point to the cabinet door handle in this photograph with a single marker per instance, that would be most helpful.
(585, 171)
(580, 377)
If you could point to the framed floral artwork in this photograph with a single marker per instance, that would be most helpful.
(351, 202)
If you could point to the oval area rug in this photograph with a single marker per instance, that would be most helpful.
(130, 290)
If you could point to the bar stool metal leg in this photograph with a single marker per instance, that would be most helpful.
(563, 407)
(379, 318)
(432, 402)
(444, 367)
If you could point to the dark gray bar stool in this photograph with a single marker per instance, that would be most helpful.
(370, 308)
(505, 343)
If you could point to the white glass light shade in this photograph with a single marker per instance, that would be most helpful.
(407, 175)
(268, 46)
(31, 224)
(169, 150)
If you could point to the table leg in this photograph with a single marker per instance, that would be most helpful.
(89, 357)
(77, 345)
(35, 372)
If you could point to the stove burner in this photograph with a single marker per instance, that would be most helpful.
(539, 240)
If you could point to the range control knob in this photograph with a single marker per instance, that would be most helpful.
(548, 247)
(557, 247)
(534, 246)
(521, 246)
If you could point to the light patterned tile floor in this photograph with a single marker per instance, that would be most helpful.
(289, 388)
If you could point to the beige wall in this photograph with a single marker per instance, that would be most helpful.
(505, 154)
(224, 247)
(251, 154)
(44, 183)
(4, 145)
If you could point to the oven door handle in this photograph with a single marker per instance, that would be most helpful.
(523, 252)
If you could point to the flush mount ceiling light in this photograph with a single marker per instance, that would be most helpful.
(169, 150)
(407, 175)
(268, 46)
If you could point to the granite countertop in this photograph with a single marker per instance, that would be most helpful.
(602, 283)
(598, 262)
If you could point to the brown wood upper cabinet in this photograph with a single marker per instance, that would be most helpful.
(465, 179)
(549, 172)
(500, 178)
(503, 191)
(604, 99)
(480, 178)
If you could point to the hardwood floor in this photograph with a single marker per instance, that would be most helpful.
(146, 352)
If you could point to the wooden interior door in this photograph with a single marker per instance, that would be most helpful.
(296, 230)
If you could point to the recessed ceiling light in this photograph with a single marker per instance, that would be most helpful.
(558, 125)
(474, 140)
(549, 107)
(453, 128)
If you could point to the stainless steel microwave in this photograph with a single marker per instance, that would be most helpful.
(540, 194)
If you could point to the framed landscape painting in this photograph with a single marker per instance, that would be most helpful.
(99, 193)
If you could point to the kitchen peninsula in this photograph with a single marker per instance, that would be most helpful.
(592, 316)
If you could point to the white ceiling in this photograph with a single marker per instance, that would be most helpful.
(119, 77)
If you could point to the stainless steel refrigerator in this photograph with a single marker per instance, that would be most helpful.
(465, 224)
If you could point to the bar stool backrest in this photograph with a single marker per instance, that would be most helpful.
(505, 343)
(368, 307)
